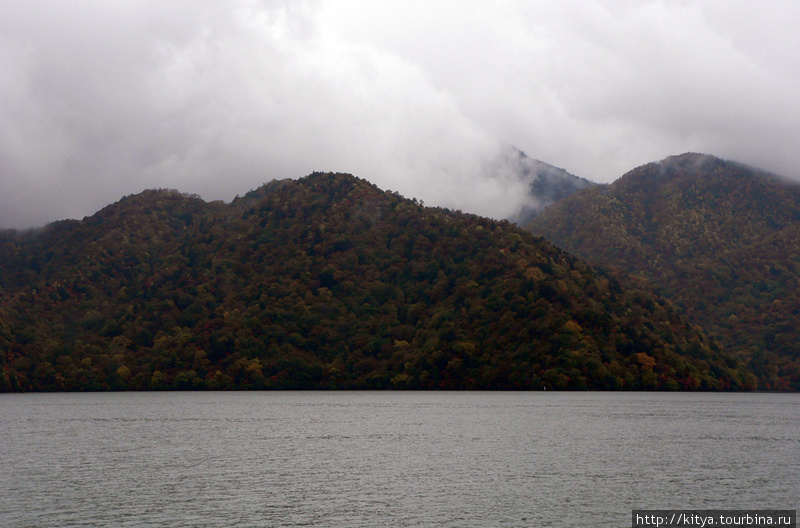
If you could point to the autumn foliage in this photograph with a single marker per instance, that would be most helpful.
(327, 283)
(719, 239)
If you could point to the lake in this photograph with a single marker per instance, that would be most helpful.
(390, 459)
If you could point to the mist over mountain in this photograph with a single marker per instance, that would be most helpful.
(545, 184)
(718, 238)
(327, 282)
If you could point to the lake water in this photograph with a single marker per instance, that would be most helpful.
(390, 459)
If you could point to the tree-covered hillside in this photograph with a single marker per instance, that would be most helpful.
(720, 239)
(327, 282)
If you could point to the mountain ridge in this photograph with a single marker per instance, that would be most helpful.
(716, 237)
(328, 282)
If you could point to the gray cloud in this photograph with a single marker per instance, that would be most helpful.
(213, 97)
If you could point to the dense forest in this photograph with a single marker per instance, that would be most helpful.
(719, 239)
(328, 282)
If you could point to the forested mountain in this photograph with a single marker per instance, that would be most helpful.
(719, 239)
(546, 184)
(327, 282)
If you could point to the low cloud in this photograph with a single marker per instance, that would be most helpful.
(215, 98)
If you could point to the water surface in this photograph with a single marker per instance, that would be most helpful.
(390, 459)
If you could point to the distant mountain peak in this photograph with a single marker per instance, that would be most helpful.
(690, 160)
(692, 165)
(547, 184)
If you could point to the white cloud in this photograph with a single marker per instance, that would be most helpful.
(100, 100)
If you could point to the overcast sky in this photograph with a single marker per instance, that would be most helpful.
(100, 99)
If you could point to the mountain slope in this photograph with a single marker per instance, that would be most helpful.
(720, 239)
(546, 184)
(327, 282)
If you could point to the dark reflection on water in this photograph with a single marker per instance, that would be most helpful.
(390, 459)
